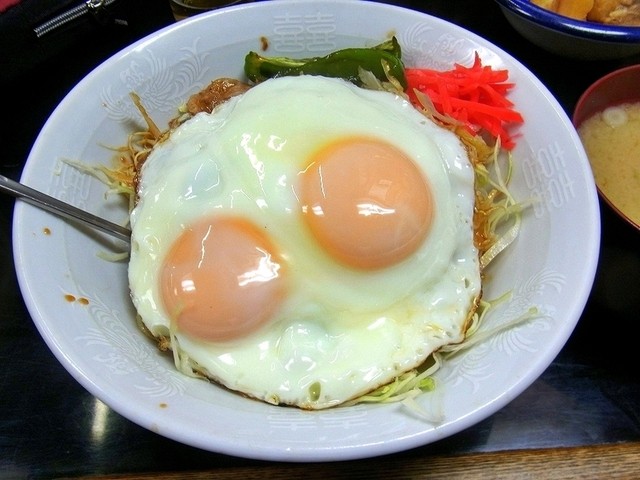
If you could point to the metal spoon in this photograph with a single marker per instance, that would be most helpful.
(62, 209)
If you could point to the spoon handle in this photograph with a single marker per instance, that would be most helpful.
(61, 208)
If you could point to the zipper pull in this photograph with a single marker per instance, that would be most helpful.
(96, 8)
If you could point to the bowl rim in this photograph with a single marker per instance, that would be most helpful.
(578, 119)
(579, 28)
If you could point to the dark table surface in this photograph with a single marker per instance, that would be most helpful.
(590, 394)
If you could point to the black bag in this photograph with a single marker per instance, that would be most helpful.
(37, 71)
(38, 32)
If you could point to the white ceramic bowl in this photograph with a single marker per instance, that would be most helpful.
(80, 304)
(570, 38)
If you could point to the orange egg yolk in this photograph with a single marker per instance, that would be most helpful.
(222, 279)
(366, 202)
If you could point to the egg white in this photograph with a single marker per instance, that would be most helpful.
(341, 332)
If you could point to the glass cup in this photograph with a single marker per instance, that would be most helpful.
(187, 8)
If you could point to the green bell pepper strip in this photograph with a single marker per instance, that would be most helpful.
(345, 64)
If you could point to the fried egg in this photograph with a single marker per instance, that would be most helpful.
(305, 242)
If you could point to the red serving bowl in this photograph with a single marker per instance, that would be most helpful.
(615, 88)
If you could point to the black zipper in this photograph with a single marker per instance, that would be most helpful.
(95, 8)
